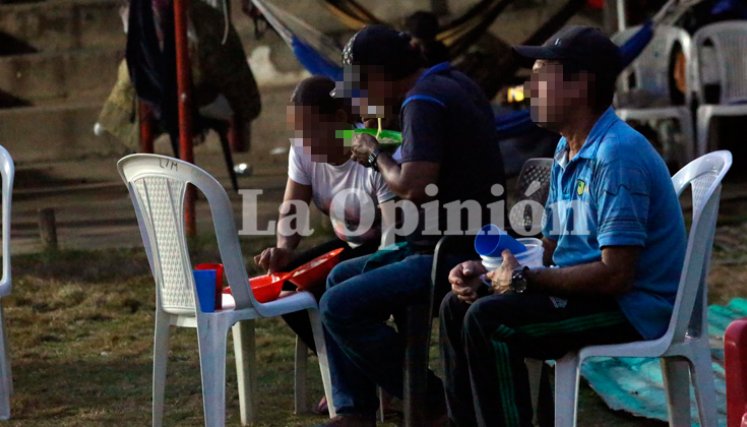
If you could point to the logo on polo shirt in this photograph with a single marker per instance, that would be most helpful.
(581, 187)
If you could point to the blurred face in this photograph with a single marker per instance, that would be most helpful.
(377, 93)
(316, 132)
(555, 94)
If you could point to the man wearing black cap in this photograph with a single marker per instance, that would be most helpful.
(614, 229)
(449, 154)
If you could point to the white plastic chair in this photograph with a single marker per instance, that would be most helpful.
(157, 186)
(684, 347)
(729, 44)
(7, 172)
(651, 70)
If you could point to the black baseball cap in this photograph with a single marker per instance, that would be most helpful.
(585, 47)
(384, 47)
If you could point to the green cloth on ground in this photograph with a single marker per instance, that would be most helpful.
(635, 385)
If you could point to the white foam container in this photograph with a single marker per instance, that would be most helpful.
(531, 258)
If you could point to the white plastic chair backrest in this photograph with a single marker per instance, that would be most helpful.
(704, 176)
(534, 179)
(7, 173)
(532, 184)
(157, 185)
(729, 39)
(652, 67)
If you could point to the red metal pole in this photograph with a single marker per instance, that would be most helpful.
(183, 80)
(146, 127)
(234, 139)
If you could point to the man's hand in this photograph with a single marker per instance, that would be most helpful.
(465, 280)
(274, 259)
(501, 277)
(363, 145)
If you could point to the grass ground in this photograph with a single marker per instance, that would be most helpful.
(80, 330)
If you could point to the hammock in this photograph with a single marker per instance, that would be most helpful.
(319, 54)
(459, 38)
(351, 14)
(355, 16)
(458, 35)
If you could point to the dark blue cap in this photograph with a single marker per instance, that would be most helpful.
(585, 47)
(383, 47)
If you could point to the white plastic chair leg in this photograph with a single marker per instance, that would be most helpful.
(245, 352)
(212, 343)
(704, 116)
(534, 371)
(675, 372)
(566, 390)
(321, 351)
(160, 361)
(686, 127)
(299, 377)
(705, 389)
(6, 379)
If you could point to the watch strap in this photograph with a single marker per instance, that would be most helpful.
(372, 159)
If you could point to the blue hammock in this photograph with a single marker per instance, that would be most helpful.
(507, 124)
(314, 62)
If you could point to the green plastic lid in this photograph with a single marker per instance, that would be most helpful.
(386, 137)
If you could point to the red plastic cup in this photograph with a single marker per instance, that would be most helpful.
(218, 281)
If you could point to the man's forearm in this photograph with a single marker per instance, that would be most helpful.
(290, 241)
(593, 278)
(392, 173)
(407, 182)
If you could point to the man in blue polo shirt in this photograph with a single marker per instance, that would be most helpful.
(614, 230)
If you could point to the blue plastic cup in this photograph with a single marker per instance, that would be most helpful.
(491, 241)
(205, 284)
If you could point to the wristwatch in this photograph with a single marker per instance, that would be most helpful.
(372, 156)
(519, 280)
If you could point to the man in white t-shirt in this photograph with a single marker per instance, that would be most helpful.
(320, 169)
(348, 188)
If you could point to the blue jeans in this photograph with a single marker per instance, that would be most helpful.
(363, 350)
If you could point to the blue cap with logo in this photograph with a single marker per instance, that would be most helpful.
(585, 47)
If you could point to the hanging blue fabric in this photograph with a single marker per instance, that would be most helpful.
(315, 62)
(633, 47)
(734, 7)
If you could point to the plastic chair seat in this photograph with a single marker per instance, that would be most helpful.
(705, 115)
